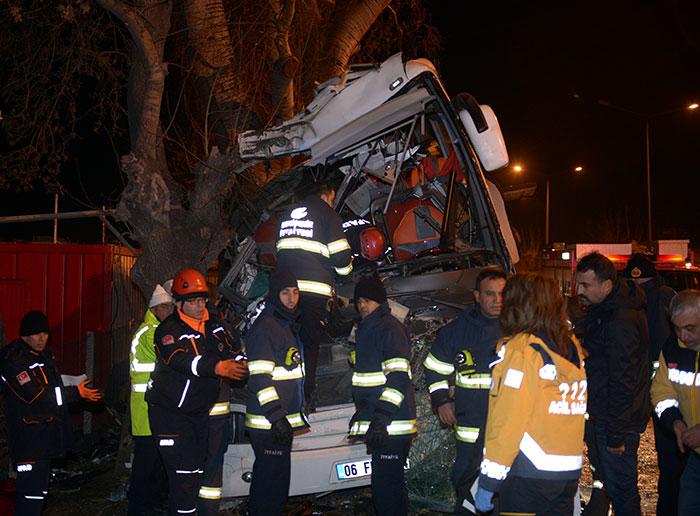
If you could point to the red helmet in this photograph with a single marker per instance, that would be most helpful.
(189, 283)
(372, 244)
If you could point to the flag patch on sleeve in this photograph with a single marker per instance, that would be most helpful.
(168, 340)
(23, 377)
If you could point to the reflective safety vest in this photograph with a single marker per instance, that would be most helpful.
(311, 244)
(537, 407)
(464, 348)
(142, 362)
(381, 383)
(675, 390)
(276, 369)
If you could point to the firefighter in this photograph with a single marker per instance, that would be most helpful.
(36, 413)
(219, 424)
(147, 472)
(533, 441)
(467, 347)
(311, 245)
(194, 354)
(275, 394)
(366, 241)
(383, 395)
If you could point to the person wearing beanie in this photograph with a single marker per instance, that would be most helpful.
(275, 407)
(641, 269)
(36, 412)
(195, 353)
(148, 481)
(385, 414)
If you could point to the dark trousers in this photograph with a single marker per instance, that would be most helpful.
(619, 472)
(148, 478)
(537, 497)
(689, 496)
(269, 488)
(32, 487)
(313, 312)
(389, 491)
(217, 444)
(182, 444)
(671, 463)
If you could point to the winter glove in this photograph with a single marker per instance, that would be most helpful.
(482, 500)
(231, 369)
(376, 434)
(282, 431)
(88, 393)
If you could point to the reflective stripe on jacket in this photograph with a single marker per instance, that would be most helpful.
(142, 362)
(537, 406)
(381, 383)
(311, 244)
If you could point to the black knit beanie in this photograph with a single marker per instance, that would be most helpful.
(639, 266)
(372, 288)
(32, 323)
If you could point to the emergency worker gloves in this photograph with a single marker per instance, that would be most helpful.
(282, 432)
(483, 500)
(231, 368)
(88, 393)
(376, 434)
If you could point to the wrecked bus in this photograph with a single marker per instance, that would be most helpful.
(408, 160)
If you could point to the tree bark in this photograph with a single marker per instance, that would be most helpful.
(285, 63)
(351, 20)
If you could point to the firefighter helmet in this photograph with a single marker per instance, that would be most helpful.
(372, 244)
(189, 283)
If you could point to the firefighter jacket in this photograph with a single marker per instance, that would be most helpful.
(616, 338)
(381, 383)
(142, 363)
(536, 414)
(311, 245)
(465, 347)
(675, 390)
(658, 298)
(36, 412)
(184, 378)
(276, 368)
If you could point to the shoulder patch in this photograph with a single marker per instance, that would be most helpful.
(514, 378)
(23, 377)
(168, 340)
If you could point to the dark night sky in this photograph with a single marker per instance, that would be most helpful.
(542, 66)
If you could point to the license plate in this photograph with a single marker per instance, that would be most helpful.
(360, 468)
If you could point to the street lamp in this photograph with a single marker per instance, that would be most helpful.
(546, 214)
(646, 117)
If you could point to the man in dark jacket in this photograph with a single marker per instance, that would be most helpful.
(275, 395)
(36, 413)
(383, 395)
(642, 271)
(194, 353)
(312, 246)
(617, 340)
(466, 347)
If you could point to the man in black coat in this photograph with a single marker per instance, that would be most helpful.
(36, 413)
(642, 271)
(617, 339)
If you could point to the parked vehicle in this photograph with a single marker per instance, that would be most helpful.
(411, 162)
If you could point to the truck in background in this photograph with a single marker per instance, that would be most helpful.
(673, 260)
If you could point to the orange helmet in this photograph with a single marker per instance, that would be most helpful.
(189, 283)
(372, 244)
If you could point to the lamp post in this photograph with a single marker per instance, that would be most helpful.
(546, 211)
(646, 117)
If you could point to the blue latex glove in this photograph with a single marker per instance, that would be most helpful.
(482, 500)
